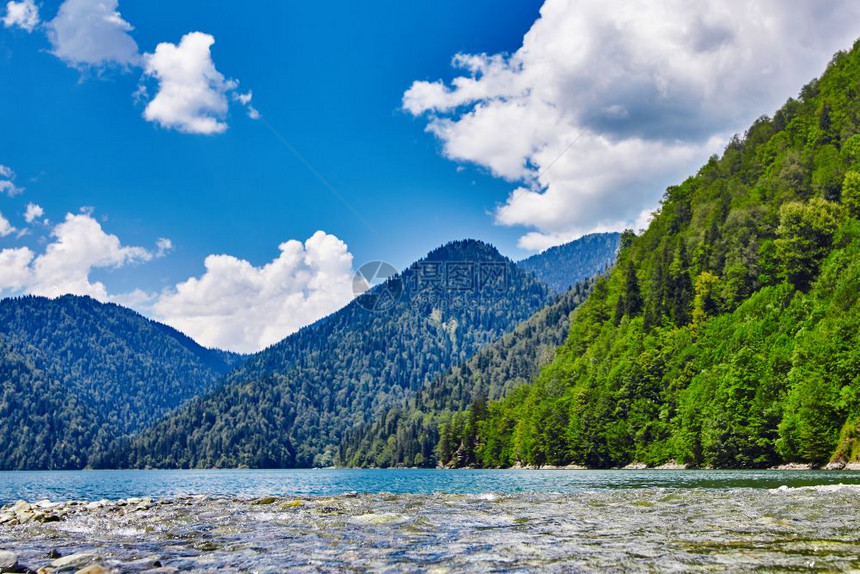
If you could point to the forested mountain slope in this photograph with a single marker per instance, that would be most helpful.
(728, 335)
(408, 434)
(77, 374)
(564, 266)
(289, 405)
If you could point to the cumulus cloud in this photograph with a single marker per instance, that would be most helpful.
(24, 15)
(78, 246)
(608, 102)
(192, 94)
(236, 305)
(33, 212)
(5, 227)
(14, 268)
(232, 305)
(7, 183)
(92, 33)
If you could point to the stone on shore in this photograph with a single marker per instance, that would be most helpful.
(8, 561)
(672, 465)
(794, 466)
(74, 562)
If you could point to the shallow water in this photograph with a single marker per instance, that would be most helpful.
(461, 521)
(114, 484)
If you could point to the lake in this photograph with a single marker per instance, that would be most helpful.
(440, 521)
(113, 484)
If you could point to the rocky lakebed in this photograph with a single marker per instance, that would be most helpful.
(606, 530)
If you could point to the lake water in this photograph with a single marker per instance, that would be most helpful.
(113, 484)
(445, 521)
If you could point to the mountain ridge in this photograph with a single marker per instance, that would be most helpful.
(115, 370)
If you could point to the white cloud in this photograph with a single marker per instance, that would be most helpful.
(245, 100)
(7, 185)
(163, 246)
(5, 227)
(24, 15)
(33, 212)
(232, 305)
(644, 92)
(14, 268)
(236, 305)
(92, 33)
(79, 245)
(192, 94)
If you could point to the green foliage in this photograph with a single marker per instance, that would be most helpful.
(431, 426)
(804, 237)
(291, 405)
(848, 448)
(851, 193)
(754, 363)
(707, 301)
(77, 375)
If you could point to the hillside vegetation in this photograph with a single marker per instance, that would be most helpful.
(76, 375)
(409, 434)
(728, 335)
(289, 405)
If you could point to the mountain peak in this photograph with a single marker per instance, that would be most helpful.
(465, 250)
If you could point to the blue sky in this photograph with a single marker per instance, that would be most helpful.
(328, 77)
(557, 119)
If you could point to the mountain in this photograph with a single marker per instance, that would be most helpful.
(564, 266)
(77, 374)
(409, 434)
(728, 335)
(289, 405)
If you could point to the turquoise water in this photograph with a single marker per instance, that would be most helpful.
(95, 485)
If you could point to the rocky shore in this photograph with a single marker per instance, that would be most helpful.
(44, 512)
(608, 530)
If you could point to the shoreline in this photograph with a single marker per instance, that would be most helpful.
(591, 530)
(791, 466)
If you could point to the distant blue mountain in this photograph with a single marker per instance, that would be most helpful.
(564, 266)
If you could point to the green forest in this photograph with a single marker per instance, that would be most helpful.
(728, 334)
(76, 375)
(290, 405)
(408, 434)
